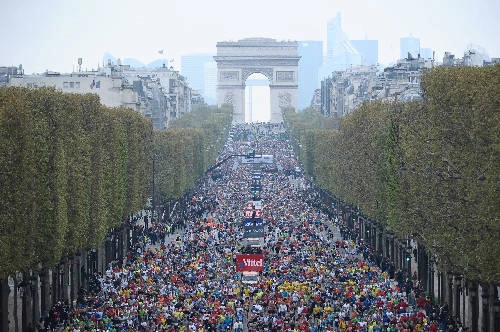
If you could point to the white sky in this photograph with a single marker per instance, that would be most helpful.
(257, 99)
(53, 34)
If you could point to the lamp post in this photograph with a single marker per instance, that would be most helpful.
(153, 199)
(431, 277)
(408, 251)
(408, 259)
(367, 229)
(337, 207)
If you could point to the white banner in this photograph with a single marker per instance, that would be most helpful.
(258, 159)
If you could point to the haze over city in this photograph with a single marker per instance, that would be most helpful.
(52, 35)
(250, 165)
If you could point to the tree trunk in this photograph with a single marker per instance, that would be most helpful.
(491, 307)
(66, 280)
(4, 304)
(36, 299)
(45, 292)
(100, 259)
(16, 318)
(27, 303)
(74, 272)
(54, 285)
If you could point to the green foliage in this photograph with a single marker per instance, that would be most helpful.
(300, 126)
(214, 122)
(66, 163)
(429, 169)
(187, 148)
(17, 166)
(459, 159)
(363, 136)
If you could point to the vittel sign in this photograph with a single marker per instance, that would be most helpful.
(252, 262)
(249, 262)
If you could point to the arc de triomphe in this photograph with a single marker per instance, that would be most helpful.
(277, 60)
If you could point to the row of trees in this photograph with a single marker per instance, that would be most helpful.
(428, 169)
(187, 148)
(70, 170)
(300, 126)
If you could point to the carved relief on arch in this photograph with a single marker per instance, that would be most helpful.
(228, 98)
(285, 99)
(246, 72)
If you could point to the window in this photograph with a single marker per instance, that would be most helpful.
(71, 85)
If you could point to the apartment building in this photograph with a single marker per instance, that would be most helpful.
(161, 94)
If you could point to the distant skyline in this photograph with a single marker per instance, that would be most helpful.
(53, 34)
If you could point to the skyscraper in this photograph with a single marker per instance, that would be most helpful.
(340, 53)
(368, 49)
(311, 57)
(409, 45)
(199, 73)
(426, 53)
(210, 87)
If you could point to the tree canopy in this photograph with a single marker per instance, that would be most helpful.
(428, 169)
(70, 169)
(187, 148)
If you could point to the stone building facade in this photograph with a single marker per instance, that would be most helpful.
(161, 94)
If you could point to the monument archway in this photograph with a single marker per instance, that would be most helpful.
(277, 60)
(257, 104)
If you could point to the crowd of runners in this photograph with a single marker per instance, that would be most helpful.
(181, 275)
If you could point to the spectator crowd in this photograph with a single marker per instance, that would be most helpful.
(180, 275)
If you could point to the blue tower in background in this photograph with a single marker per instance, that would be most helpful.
(368, 49)
(311, 53)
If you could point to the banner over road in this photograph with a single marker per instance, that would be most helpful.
(253, 227)
(249, 262)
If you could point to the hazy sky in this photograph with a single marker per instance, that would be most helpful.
(53, 34)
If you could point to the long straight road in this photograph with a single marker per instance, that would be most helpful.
(313, 280)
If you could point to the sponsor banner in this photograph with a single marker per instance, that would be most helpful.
(249, 277)
(257, 204)
(253, 213)
(253, 227)
(254, 242)
(249, 262)
(258, 159)
(257, 187)
(254, 205)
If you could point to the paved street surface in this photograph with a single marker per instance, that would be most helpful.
(313, 278)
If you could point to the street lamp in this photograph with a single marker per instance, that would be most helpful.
(153, 200)
(431, 279)
(408, 255)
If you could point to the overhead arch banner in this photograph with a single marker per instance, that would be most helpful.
(253, 213)
(249, 262)
(253, 227)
